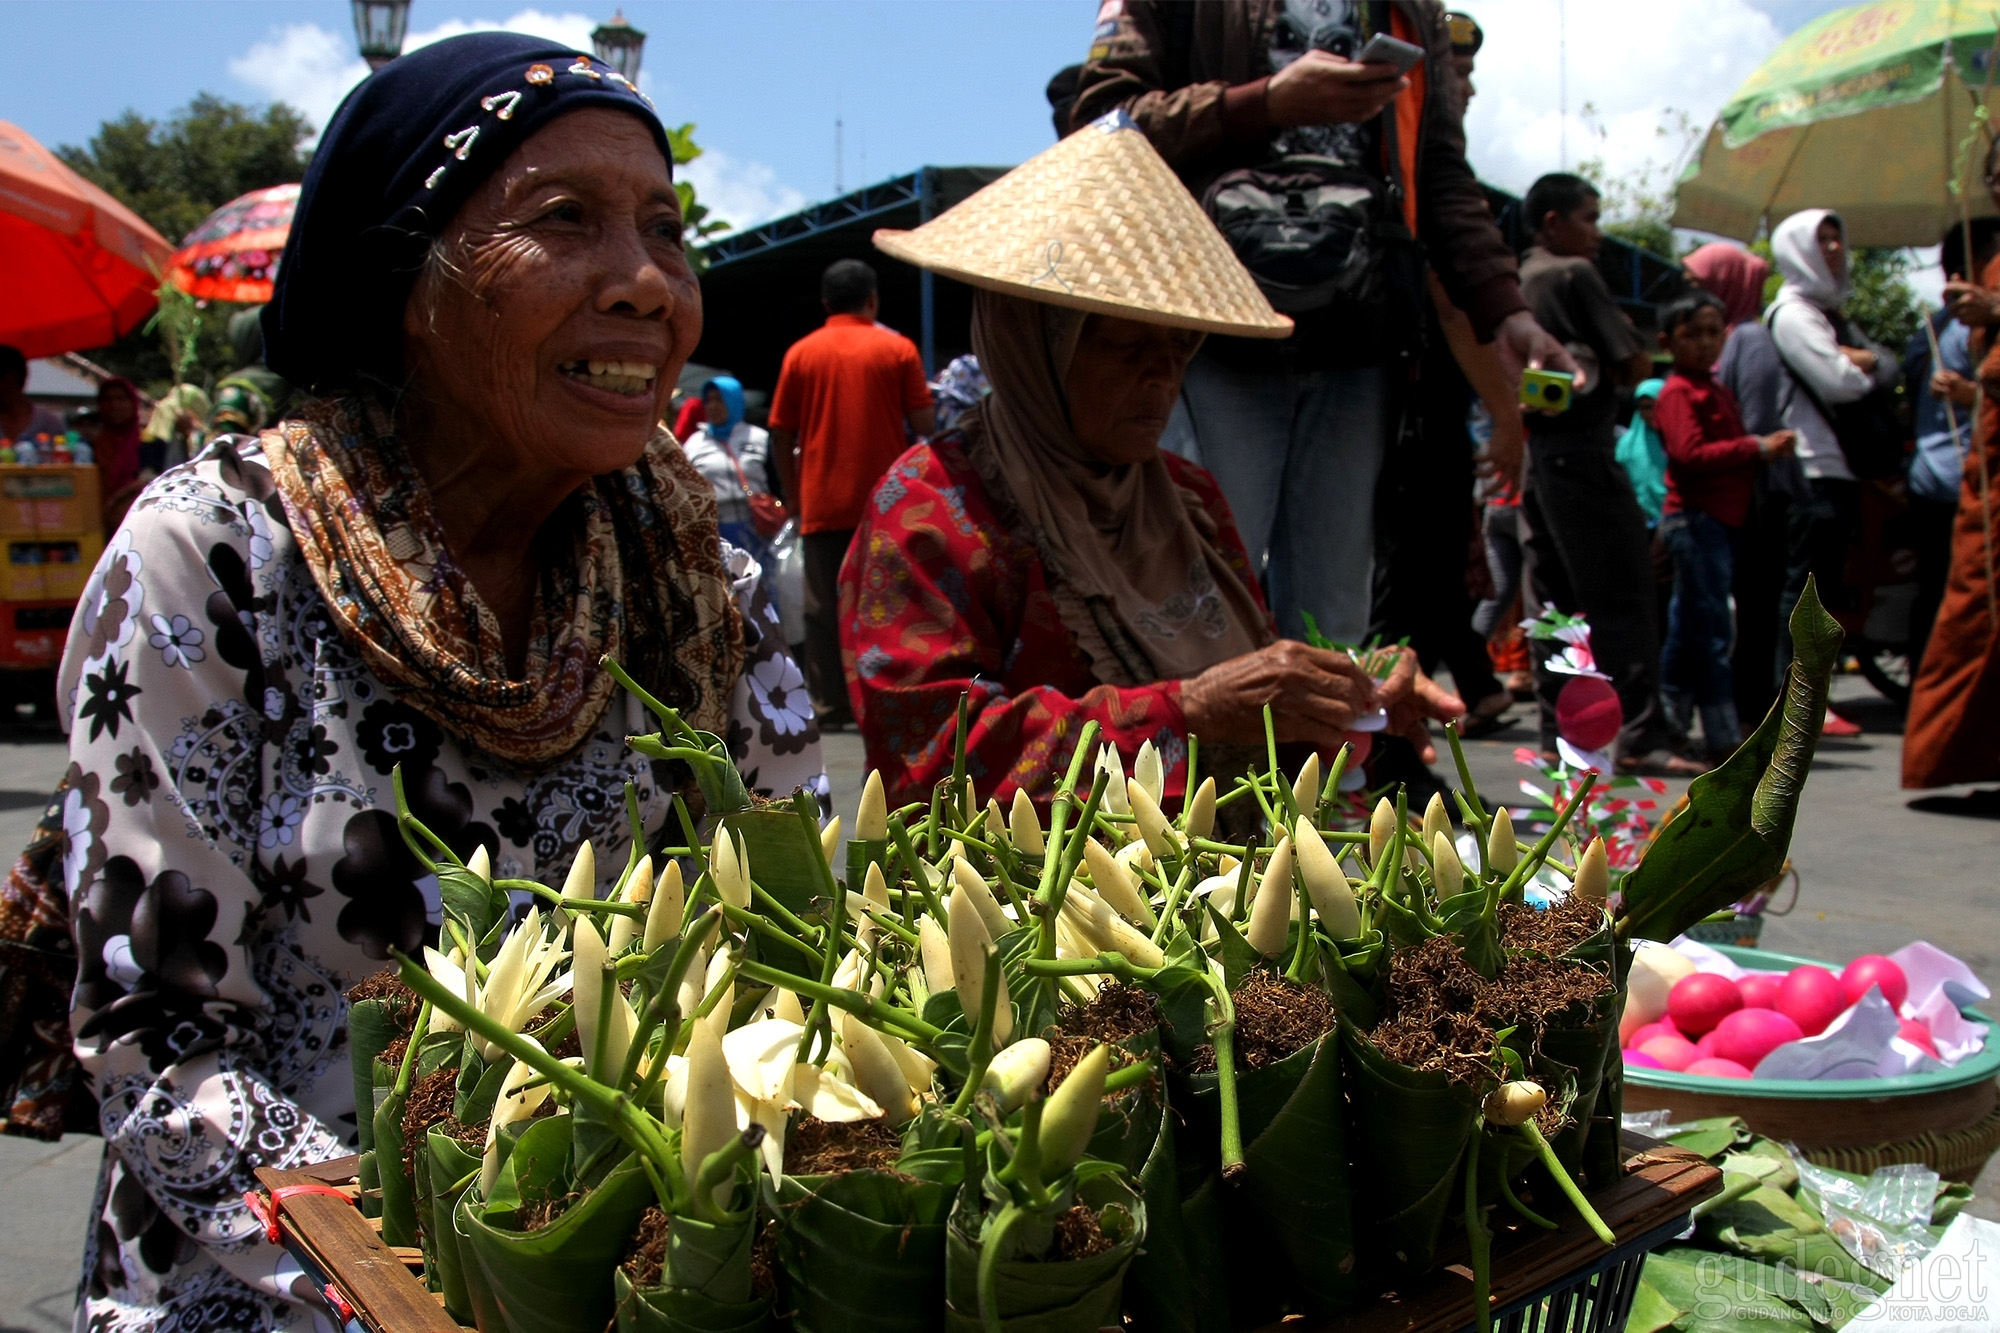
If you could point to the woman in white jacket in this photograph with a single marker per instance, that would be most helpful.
(1831, 363)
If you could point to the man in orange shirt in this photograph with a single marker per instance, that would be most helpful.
(845, 397)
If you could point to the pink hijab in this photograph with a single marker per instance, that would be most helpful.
(1734, 275)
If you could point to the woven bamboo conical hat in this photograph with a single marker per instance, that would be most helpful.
(1098, 222)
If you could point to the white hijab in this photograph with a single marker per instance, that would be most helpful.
(1795, 250)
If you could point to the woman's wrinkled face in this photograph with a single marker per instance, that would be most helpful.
(115, 407)
(714, 408)
(568, 307)
(1122, 385)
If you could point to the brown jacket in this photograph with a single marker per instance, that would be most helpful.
(1204, 110)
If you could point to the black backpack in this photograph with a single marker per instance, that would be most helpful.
(1869, 429)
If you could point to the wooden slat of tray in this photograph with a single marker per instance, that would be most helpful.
(1660, 1184)
(370, 1275)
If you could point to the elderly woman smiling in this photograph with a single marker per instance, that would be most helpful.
(485, 296)
(1046, 556)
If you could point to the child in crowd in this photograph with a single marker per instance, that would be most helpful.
(1711, 470)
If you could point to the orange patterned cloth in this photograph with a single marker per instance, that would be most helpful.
(645, 586)
(938, 597)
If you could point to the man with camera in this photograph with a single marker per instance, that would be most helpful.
(1324, 139)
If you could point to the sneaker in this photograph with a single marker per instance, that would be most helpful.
(1838, 726)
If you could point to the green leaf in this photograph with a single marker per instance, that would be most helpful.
(1651, 1311)
(1296, 1185)
(399, 1199)
(1178, 1282)
(678, 1310)
(1037, 1295)
(556, 1279)
(864, 1250)
(470, 901)
(1415, 1125)
(784, 858)
(371, 1027)
(1733, 834)
(451, 1169)
(1709, 1138)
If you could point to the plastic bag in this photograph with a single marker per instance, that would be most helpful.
(787, 567)
(1881, 1221)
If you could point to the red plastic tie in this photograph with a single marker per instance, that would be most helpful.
(338, 1302)
(266, 1209)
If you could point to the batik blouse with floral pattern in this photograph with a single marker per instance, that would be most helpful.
(233, 867)
(939, 598)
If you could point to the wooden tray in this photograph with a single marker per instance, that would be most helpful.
(374, 1288)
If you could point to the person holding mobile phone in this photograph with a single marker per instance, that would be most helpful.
(1354, 110)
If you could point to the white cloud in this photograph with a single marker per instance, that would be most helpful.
(741, 193)
(307, 67)
(1631, 62)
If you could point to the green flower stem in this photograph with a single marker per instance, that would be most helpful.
(816, 1042)
(1481, 1243)
(879, 1013)
(1192, 783)
(1533, 1135)
(1274, 815)
(1025, 1167)
(933, 838)
(1286, 798)
(635, 825)
(992, 1239)
(641, 1131)
(1302, 952)
(1059, 811)
(407, 1070)
(1331, 787)
(886, 919)
(1065, 855)
(1222, 1032)
(1468, 793)
(1008, 887)
(1240, 909)
(1530, 1215)
(1172, 903)
(1104, 964)
(979, 1053)
(598, 906)
(764, 929)
(958, 740)
(791, 920)
(663, 1009)
(914, 864)
(1515, 883)
(606, 994)
(408, 825)
(1131, 1076)
(718, 1167)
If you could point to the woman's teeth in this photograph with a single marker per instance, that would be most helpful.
(627, 377)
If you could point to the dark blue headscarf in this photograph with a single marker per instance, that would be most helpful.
(731, 390)
(406, 149)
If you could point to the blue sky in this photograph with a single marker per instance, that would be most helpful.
(914, 81)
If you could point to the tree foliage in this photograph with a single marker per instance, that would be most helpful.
(1639, 204)
(1883, 303)
(174, 173)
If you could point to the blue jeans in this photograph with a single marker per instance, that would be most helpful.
(1297, 457)
(1694, 665)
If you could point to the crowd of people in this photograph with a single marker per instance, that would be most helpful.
(1378, 469)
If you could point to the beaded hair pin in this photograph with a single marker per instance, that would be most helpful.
(502, 105)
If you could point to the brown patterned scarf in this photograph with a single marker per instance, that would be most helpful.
(631, 568)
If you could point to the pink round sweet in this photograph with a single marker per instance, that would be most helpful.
(1700, 1000)
(1645, 1034)
(1748, 1035)
(1872, 969)
(1588, 714)
(1641, 1060)
(1671, 1052)
(1760, 989)
(1812, 997)
(1717, 1067)
(1919, 1036)
(1706, 1046)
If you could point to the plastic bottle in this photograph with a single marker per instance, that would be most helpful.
(81, 452)
(59, 453)
(24, 452)
(6, 452)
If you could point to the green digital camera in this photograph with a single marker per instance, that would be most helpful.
(1546, 390)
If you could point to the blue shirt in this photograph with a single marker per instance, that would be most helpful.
(1938, 464)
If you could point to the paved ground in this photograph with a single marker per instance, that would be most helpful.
(1873, 875)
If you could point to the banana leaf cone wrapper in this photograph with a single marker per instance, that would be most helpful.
(678, 1310)
(556, 1279)
(707, 1285)
(1580, 1044)
(1128, 1123)
(1288, 1225)
(1053, 1296)
(485, 1306)
(448, 1164)
(370, 1029)
(783, 856)
(863, 1250)
(1178, 1281)
(399, 1196)
(1407, 1132)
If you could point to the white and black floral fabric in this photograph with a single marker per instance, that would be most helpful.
(233, 866)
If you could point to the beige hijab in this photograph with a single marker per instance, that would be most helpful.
(1131, 557)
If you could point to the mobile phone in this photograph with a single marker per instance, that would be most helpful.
(1546, 390)
(1391, 51)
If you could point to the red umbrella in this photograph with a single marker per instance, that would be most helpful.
(79, 268)
(233, 254)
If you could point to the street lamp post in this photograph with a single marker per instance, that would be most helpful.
(619, 45)
(379, 26)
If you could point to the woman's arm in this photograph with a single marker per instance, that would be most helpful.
(923, 621)
(195, 1074)
(1811, 352)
